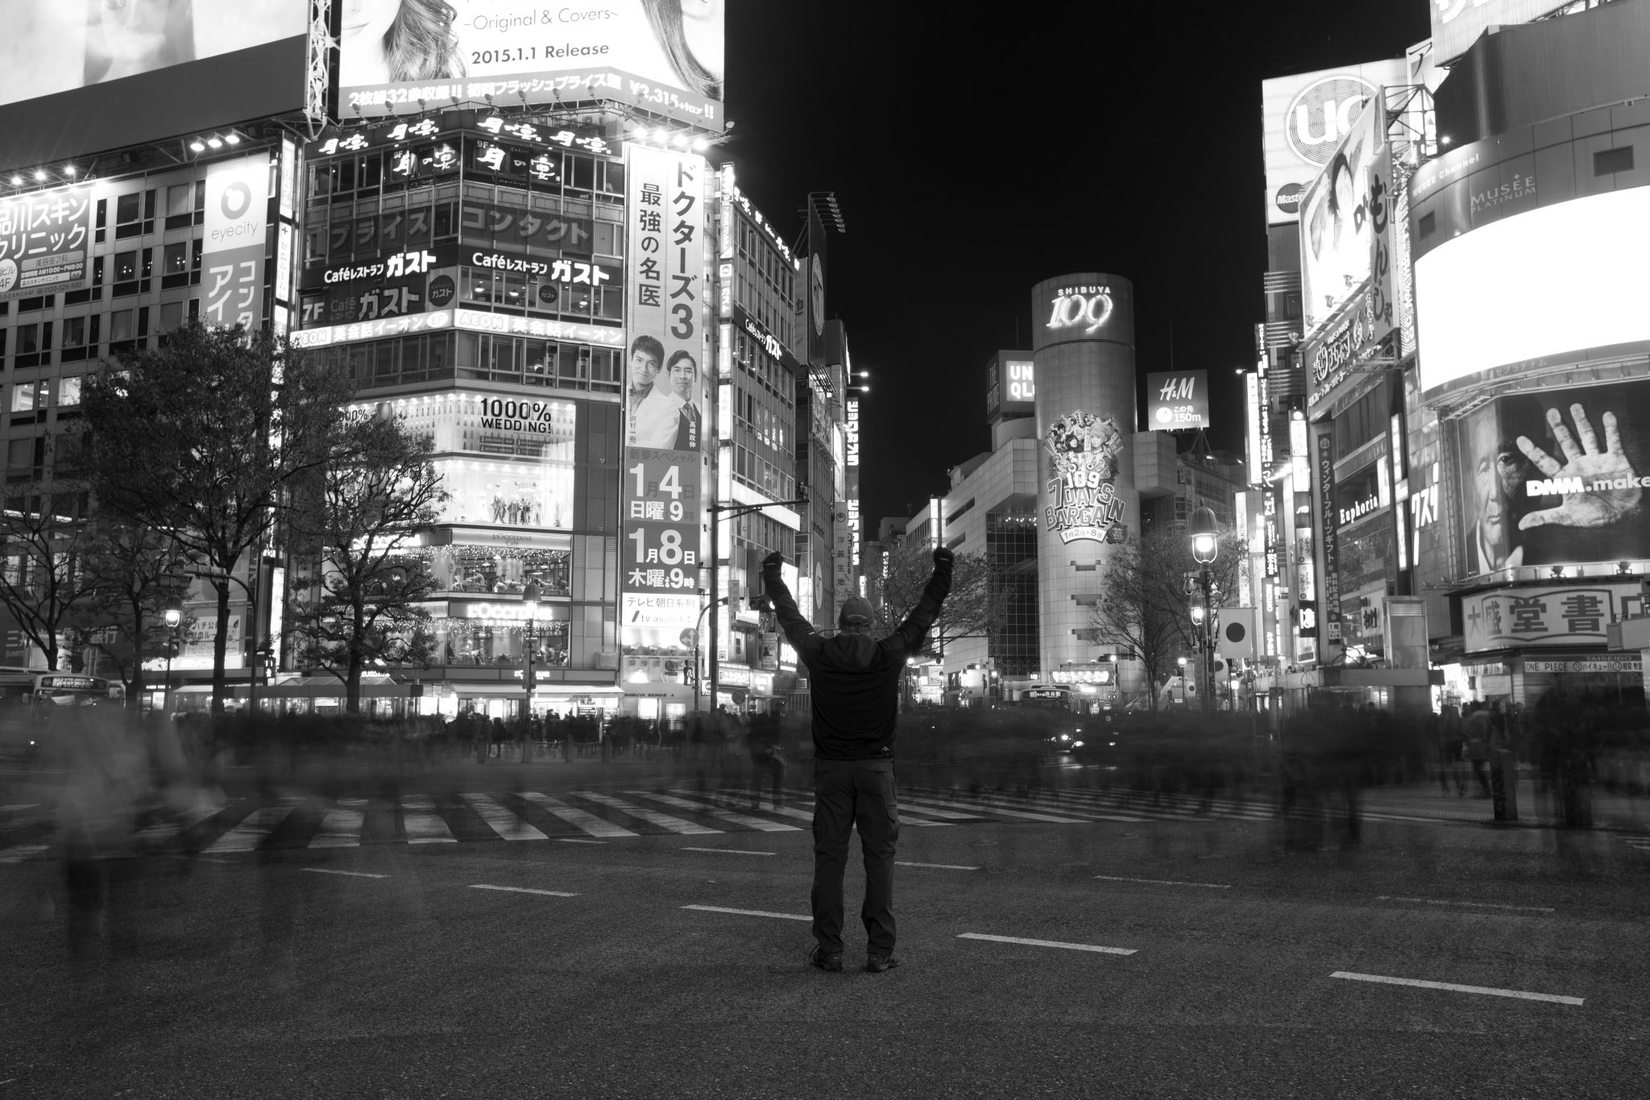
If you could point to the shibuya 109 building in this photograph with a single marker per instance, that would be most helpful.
(1448, 405)
(512, 237)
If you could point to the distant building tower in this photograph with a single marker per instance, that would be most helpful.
(1083, 352)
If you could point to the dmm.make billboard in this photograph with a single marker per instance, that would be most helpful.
(82, 76)
(666, 310)
(1556, 476)
(1305, 118)
(661, 55)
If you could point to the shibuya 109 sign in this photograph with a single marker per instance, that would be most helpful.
(1083, 451)
(1080, 310)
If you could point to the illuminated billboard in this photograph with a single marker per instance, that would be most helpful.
(1010, 385)
(1557, 281)
(88, 75)
(1456, 24)
(1556, 476)
(662, 485)
(1177, 399)
(1305, 118)
(1336, 231)
(661, 55)
(45, 241)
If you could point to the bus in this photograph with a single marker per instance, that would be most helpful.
(30, 696)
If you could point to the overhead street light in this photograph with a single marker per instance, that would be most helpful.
(1205, 543)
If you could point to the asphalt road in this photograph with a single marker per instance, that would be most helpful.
(1169, 958)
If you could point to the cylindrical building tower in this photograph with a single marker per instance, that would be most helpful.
(1083, 350)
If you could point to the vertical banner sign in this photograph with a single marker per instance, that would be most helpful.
(45, 238)
(665, 383)
(1382, 303)
(1330, 603)
(237, 212)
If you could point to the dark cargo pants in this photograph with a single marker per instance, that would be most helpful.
(846, 793)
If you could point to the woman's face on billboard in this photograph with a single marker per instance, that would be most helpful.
(368, 20)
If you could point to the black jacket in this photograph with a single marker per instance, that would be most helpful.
(855, 678)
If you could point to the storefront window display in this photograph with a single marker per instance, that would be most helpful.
(498, 569)
(500, 642)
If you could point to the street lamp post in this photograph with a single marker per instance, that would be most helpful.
(1205, 545)
(174, 617)
(698, 639)
(717, 511)
(529, 601)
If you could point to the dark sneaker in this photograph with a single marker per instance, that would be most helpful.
(818, 957)
(876, 964)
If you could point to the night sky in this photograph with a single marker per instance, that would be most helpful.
(974, 152)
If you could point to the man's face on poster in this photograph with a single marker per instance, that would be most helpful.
(682, 373)
(644, 367)
(1490, 499)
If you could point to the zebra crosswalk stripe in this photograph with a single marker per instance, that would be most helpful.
(642, 813)
(760, 824)
(579, 819)
(506, 823)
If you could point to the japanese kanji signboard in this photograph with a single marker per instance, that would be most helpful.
(1571, 615)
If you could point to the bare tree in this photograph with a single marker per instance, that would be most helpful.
(130, 573)
(1144, 605)
(200, 439)
(359, 519)
(42, 579)
(974, 609)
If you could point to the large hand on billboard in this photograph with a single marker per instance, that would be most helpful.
(1590, 507)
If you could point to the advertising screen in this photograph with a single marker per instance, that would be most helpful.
(1337, 237)
(1456, 24)
(86, 75)
(662, 55)
(1553, 281)
(662, 487)
(1556, 477)
(1305, 118)
(1176, 400)
(45, 242)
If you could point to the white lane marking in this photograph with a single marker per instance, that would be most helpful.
(22, 852)
(993, 808)
(1452, 987)
(1471, 904)
(342, 826)
(15, 806)
(1048, 943)
(652, 817)
(330, 871)
(1166, 882)
(800, 798)
(506, 823)
(421, 824)
(936, 866)
(581, 840)
(253, 830)
(748, 912)
(726, 851)
(760, 824)
(579, 819)
(522, 890)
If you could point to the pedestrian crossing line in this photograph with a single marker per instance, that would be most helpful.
(420, 823)
(924, 807)
(1048, 943)
(522, 890)
(1024, 815)
(506, 823)
(342, 825)
(252, 830)
(749, 912)
(805, 798)
(759, 824)
(579, 819)
(23, 852)
(935, 803)
(162, 831)
(642, 813)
